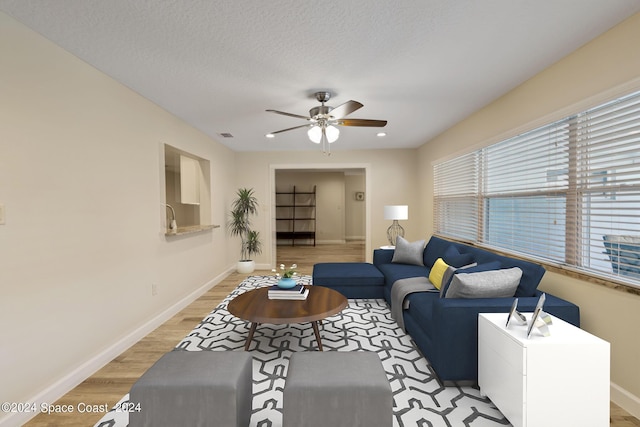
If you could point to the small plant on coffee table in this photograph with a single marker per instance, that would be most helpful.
(286, 273)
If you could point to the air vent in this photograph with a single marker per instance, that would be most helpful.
(226, 135)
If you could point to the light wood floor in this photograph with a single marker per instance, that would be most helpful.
(109, 384)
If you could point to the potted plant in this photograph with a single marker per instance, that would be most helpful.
(242, 208)
(286, 276)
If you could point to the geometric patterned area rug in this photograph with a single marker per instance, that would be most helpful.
(366, 324)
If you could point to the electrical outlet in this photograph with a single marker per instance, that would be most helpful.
(154, 289)
(1, 214)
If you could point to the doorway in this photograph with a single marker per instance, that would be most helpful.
(342, 220)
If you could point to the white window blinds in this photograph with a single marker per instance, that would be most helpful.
(567, 192)
(456, 197)
(607, 170)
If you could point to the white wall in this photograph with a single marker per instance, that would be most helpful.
(607, 66)
(82, 176)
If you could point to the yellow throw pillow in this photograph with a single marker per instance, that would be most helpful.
(437, 271)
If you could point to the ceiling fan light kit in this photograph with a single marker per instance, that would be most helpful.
(324, 119)
(315, 134)
(332, 133)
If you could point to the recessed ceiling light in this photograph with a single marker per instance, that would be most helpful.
(270, 135)
(381, 134)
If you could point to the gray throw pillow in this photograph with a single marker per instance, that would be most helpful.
(408, 252)
(446, 278)
(485, 284)
(448, 275)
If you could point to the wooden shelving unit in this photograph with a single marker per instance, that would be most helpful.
(296, 216)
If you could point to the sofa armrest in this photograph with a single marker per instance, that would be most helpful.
(562, 309)
(450, 308)
(382, 256)
(455, 329)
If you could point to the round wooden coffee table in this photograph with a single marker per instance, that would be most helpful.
(256, 307)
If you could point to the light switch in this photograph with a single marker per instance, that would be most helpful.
(1, 214)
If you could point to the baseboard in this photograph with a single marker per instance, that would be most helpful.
(72, 379)
(627, 401)
(331, 242)
(355, 238)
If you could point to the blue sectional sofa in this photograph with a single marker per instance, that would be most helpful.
(446, 329)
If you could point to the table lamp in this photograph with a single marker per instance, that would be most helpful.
(395, 213)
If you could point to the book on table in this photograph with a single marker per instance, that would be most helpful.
(298, 292)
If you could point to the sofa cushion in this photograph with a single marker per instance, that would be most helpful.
(408, 252)
(458, 260)
(453, 263)
(437, 272)
(472, 268)
(438, 248)
(393, 272)
(446, 280)
(531, 272)
(485, 284)
(346, 274)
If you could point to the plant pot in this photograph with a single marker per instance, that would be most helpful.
(286, 283)
(246, 266)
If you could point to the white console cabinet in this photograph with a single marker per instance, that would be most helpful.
(558, 380)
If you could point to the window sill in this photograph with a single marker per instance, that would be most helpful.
(591, 278)
(575, 273)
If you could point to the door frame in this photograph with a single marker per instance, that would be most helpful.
(320, 167)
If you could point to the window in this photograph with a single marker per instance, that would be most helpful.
(567, 192)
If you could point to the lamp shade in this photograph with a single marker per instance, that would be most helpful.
(315, 134)
(396, 212)
(332, 133)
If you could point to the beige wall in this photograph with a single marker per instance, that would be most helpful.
(82, 180)
(607, 66)
(391, 179)
(355, 212)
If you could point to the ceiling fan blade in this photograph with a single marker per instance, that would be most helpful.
(288, 129)
(345, 109)
(289, 114)
(362, 122)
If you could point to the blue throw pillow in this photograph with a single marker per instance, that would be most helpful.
(458, 260)
(438, 248)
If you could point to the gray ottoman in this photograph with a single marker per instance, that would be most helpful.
(334, 388)
(195, 388)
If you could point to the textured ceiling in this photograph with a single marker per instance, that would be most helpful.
(423, 65)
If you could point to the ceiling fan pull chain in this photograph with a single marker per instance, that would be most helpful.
(324, 141)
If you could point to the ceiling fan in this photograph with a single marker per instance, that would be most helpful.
(324, 119)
